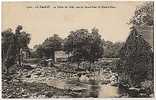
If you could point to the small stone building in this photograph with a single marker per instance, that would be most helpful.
(61, 56)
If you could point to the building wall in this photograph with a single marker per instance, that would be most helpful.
(60, 55)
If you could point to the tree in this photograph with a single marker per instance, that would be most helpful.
(74, 44)
(83, 45)
(7, 38)
(49, 46)
(144, 14)
(136, 56)
(111, 50)
(12, 44)
(22, 40)
(94, 48)
(37, 51)
(8, 49)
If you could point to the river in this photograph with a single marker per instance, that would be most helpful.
(91, 89)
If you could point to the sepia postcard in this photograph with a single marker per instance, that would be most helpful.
(83, 49)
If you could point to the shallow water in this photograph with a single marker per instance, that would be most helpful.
(108, 91)
(91, 89)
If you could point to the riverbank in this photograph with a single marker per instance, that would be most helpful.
(39, 81)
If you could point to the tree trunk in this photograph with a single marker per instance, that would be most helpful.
(19, 57)
(78, 64)
(53, 55)
(90, 66)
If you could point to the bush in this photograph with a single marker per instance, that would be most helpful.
(148, 86)
(32, 60)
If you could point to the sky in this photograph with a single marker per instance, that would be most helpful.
(42, 23)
